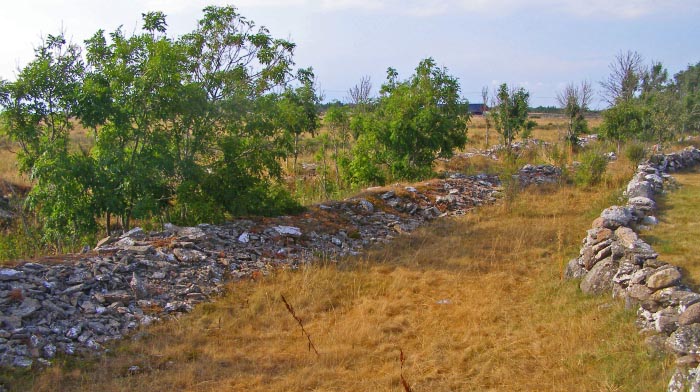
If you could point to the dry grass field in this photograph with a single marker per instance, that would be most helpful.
(549, 128)
(475, 303)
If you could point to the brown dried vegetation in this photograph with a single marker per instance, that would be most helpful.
(478, 302)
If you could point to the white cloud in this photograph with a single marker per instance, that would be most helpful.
(621, 9)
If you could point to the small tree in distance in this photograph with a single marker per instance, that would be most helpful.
(484, 100)
(575, 101)
(359, 94)
(510, 114)
(414, 122)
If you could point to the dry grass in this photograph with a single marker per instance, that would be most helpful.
(676, 237)
(475, 304)
(550, 129)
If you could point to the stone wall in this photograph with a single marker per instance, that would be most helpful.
(77, 304)
(613, 259)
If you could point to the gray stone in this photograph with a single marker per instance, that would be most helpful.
(366, 205)
(599, 279)
(665, 278)
(650, 221)
(244, 238)
(290, 231)
(7, 274)
(574, 270)
(639, 189)
(11, 322)
(691, 315)
(616, 216)
(626, 236)
(27, 308)
(643, 203)
(685, 340)
(666, 320)
(136, 232)
(639, 292)
(189, 255)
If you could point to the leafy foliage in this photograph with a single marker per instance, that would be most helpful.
(184, 125)
(414, 122)
(592, 168)
(510, 113)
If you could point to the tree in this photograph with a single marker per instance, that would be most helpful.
(623, 121)
(337, 119)
(686, 91)
(574, 100)
(623, 83)
(359, 94)
(38, 108)
(510, 113)
(298, 113)
(188, 122)
(484, 99)
(415, 121)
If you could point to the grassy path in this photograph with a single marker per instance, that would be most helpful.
(475, 303)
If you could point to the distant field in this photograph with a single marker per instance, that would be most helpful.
(550, 128)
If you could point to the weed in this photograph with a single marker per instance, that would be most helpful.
(290, 309)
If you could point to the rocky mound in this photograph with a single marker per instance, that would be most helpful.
(77, 304)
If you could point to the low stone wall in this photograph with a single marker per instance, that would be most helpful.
(614, 259)
(73, 304)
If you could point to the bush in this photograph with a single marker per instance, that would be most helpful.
(635, 153)
(592, 168)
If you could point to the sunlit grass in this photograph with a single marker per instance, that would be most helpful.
(676, 237)
(475, 303)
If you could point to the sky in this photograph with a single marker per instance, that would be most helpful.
(540, 45)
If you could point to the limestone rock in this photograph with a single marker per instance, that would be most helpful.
(626, 236)
(290, 231)
(574, 270)
(615, 217)
(691, 315)
(664, 278)
(685, 340)
(599, 279)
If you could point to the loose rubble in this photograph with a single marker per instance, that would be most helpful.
(83, 302)
(538, 175)
(614, 259)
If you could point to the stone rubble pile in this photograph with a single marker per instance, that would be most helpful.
(538, 175)
(614, 259)
(77, 304)
(517, 147)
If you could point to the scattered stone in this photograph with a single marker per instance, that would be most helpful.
(288, 231)
(138, 278)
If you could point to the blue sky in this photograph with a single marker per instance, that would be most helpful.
(538, 44)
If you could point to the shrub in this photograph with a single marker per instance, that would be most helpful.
(592, 168)
(635, 153)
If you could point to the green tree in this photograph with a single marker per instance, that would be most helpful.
(623, 121)
(415, 121)
(189, 122)
(686, 91)
(574, 100)
(230, 146)
(298, 113)
(337, 120)
(38, 107)
(510, 114)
